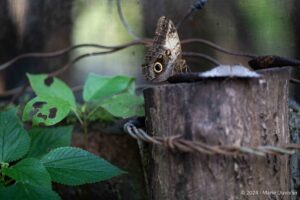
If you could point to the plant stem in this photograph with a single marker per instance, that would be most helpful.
(9, 181)
(78, 117)
(2, 175)
(85, 131)
(84, 123)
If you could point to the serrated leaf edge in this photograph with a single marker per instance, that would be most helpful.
(88, 182)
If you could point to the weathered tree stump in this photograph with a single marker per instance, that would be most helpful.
(231, 111)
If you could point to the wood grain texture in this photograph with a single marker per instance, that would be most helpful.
(294, 126)
(245, 112)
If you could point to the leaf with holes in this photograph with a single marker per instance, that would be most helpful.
(29, 170)
(45, 86)
(45, 110)
(53, 103)
(98, 87)
(28, 192)
(45, 139)
(74, 166)
(14, 139)
(124, 105)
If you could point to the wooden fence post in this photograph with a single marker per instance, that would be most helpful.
(232, 111)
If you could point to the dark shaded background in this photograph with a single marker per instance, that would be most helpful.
(256, 26)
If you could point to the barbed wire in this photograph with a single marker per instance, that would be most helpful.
(176, 142)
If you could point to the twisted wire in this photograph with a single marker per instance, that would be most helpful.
(177, 142)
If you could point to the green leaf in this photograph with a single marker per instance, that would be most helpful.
(53, 87)
(124, 105)
(22, 191)
(52, 111)
(45, 139)
(31, 171)
(114, 94)
(97, 87)
(14, 140)
(97, 113)
(74, 166)
(53, 103)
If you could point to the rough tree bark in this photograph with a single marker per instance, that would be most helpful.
(294, 126)
(245, 112)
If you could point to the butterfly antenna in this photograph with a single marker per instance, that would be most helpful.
(197, 5)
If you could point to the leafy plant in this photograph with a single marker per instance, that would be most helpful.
(30, 161)
(114, 95)
(105, 97)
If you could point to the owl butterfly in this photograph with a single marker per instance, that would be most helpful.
(163, 58)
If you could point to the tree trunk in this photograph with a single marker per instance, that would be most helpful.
(231, 111)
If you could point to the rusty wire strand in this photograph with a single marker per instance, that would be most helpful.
(110, 49)
(294, 80)
(61, 70)
(124, 22)
(217, 47)
(145, 41)
(65, 51)
(203, 56)
(16, 90)
(178, 143)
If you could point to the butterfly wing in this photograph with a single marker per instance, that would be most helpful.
(164, 56)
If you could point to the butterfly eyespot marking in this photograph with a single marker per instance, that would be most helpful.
(157, 67)
(168, 52)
